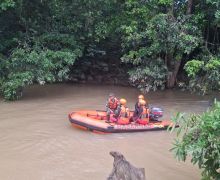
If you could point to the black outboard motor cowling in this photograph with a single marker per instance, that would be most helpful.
(155, 113)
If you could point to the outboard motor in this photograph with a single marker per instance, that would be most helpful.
(155, 113)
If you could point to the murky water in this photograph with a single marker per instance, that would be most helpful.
(38, 143)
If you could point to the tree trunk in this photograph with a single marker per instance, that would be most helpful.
(123, 170)
(172, 10)
(172, 74)
(189, 7)
(207, 37)
(171, 78)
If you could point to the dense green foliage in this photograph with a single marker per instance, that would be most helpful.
(41, 41)
(171, 32)
(204, 74)
(27, 66)
(199, 138)
(166, 39)
(5, 4)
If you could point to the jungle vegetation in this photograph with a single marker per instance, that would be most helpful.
(163, 43)
(198, 138)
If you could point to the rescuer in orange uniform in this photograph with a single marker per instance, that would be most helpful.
(112, 106)
(143, 117)
(139, 107)
(124, 111)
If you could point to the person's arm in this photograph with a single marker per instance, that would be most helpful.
(140, 111)
(118, 110)
(136, 107)
(127, 112)
(107, 104)
(147, 105)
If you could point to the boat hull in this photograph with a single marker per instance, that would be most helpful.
(98, 125)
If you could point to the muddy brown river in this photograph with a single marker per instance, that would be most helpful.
(37, 141)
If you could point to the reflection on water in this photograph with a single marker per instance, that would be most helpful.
(38, 143)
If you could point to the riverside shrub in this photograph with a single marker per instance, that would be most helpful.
(199, 138)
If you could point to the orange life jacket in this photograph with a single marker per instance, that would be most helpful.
(145, 111)
(144, 119)
(112, 103)
(124, 111)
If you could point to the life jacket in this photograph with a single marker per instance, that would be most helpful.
(145, 113)
(124, 111)
(121, 119)
(124, 116)
(112, 103)
(144, 119)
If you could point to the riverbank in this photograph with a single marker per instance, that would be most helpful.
(104, 71)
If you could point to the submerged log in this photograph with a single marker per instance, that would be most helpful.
(123, 170)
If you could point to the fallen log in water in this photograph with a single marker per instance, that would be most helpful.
(123, 170)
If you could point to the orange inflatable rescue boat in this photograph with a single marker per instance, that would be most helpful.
(95, 121)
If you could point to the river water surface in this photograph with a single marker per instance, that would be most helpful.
(37, 141)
